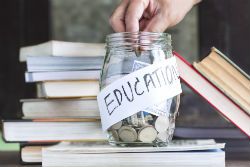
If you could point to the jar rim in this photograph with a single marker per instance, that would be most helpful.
(131, 40)
(139, 33)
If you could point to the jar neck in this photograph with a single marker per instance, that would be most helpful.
(128, 41)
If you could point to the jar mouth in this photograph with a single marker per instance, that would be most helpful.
(131, 40)
(139, 33)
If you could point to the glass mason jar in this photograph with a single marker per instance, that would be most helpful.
(127, 52)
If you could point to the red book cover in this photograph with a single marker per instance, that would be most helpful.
(191, 77)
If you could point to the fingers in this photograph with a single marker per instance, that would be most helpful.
(133, 14)
(142, 24)
(127, 15)
(158, 23)
(117, 18)
(149, 15)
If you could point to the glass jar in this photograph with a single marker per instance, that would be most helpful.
(125, 53)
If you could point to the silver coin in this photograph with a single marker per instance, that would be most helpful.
(149, 119)
(137, 52)
(161, 123)
(133, 120)
(117, 125)
(127, 134)
(162, 136)
(141, 119)
(147, 134)
(115, 135)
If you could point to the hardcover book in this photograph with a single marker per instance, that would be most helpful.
(215, 97)
(52, 63)
(62, 49)
(69, 89)
(53, 130)
(226, 76)
(178, 153)
(60, 108)
(62, 75)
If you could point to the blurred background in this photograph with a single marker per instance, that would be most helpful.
(224, 24)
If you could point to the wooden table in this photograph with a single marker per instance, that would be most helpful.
(11, 159)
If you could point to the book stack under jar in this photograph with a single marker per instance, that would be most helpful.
(65, 109)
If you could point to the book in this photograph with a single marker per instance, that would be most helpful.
(179, 153)
(62, 48)
(62, 75)
(52, 130)
(60, 108)
(227, 76)
(31, 153)
(213, 95)
(69, 89)
(56, 63)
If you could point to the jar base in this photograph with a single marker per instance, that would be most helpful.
(138, 144)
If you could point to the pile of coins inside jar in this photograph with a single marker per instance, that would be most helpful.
(143, 127)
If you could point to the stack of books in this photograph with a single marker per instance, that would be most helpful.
(222, 84)
(226, 87)
(65, 109)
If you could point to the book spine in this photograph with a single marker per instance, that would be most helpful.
(23, 145)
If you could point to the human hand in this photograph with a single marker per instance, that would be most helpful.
(149, 15)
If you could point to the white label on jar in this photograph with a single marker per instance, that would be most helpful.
(159, 109)
(138, 90)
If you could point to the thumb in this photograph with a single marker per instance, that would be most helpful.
(157, 24)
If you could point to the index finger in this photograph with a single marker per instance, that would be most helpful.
(133, 15)
(117, 18)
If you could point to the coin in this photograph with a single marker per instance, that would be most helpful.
(162, 136)
(137, 51)
(133, 120)
(161, 123)
(117, 125)
(147, 134)
(149, 119)
(141, 119)
(115, 135)
(127, 134)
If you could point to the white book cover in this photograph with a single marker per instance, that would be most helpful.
(104, 147)
(62, 75)
(62, 48)
(179, 153)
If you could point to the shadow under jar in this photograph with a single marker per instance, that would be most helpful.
(125, 53)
